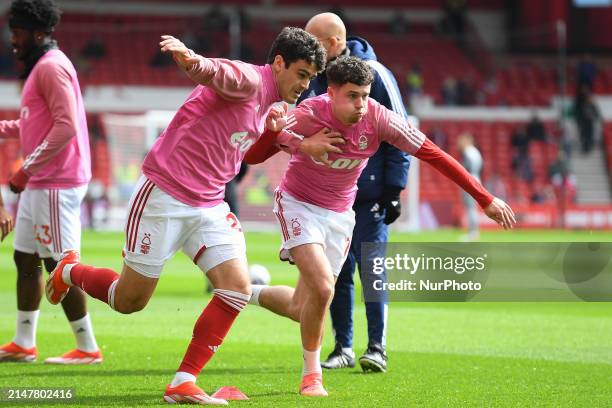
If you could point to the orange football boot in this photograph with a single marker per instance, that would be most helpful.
(189, 393)
(56, 289)
(13, 352)
(312, 385)
(76, 356)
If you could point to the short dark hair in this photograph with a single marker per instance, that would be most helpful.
(34, 15)
(349, 69)
(295, 44)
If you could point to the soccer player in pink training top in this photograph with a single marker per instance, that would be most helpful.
(52, 180)
(313, 202)
(178, 203)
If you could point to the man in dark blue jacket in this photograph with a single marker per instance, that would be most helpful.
(376, 206)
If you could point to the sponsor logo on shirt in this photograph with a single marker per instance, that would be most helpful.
(340, 163)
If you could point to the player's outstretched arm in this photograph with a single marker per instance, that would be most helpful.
(6, 221)
(232, 80)
(397, 131)
(183, 56)
(495, 208)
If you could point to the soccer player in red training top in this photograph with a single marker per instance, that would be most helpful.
(52, 180)
(178, 202)
(313, 202)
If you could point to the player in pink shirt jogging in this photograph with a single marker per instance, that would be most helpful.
(178, 203)
(52, 180)
(313, 202)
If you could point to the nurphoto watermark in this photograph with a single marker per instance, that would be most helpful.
(458, 272)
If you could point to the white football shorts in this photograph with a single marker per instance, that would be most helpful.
(303, 223)
(158, 226)
(49, 221)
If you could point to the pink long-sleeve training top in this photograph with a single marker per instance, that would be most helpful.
(204, 144)
(333, 185)
(52, 127)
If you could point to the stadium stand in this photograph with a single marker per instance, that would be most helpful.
(529, 80)
(526, 80)
(494, 142)
(608, 145)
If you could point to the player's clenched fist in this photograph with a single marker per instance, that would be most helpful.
(183, 56)
(501, 213)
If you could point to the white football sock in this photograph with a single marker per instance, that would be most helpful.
(25, 336)
(312, 362)
(256, 289)
(83, 332)
(181, 377)
(66, 274)
(111, 294)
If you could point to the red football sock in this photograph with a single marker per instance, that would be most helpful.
(210, 329)
(94, 281)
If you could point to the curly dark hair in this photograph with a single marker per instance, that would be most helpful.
(34, 15)
(295, 44)
(349, 69)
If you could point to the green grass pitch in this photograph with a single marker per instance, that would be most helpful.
(440, 354)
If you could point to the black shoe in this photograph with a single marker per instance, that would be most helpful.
(374, 359)
(338, 359)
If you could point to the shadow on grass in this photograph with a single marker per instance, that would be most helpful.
(92, 373)
(47, 371)
(154, 397)
(151, 398)
(273, 394)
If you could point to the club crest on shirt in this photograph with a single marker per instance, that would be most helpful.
(145, 244)
(363, 142)
(296, 227)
